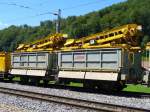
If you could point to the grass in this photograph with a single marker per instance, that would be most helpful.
(16, 79)
(76, 84)
(137, 88)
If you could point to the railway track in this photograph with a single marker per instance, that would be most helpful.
(91, 105)
(95, 91)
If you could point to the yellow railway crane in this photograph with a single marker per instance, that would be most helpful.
(122, 36)
(49, 43)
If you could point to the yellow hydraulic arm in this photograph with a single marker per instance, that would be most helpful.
(49, 43)
(126, 35)
(123, 36)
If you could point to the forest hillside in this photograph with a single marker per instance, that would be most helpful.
(131, 11)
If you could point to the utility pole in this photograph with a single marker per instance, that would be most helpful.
(58, 21)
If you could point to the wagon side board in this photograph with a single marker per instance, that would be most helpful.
(33, 63)
(100, 64)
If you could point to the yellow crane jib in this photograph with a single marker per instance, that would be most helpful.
(50, 42)
(128, 34)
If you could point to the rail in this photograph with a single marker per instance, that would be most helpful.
(96, 106)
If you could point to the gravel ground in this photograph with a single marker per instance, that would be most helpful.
(19, 104)
(130, 101)
(11, 108)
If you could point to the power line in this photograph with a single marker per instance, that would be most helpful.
(33, 16)
(80, 5)
(44, 2)
(14, 4)
(46, 13)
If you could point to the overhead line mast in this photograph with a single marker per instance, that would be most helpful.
(58, 21)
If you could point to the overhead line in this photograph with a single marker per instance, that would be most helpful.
(36, 15)
(80, 5)
(45, 13)
(14, 4)
(44, 2)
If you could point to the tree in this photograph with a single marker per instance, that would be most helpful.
(130, 11)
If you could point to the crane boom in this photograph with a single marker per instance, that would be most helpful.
(123, 36)
(49, 43)
(120, 36)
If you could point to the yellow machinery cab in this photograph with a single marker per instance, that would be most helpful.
(4, 64)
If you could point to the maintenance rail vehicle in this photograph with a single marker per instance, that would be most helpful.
(106, 60)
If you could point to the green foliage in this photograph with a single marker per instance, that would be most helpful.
(137, 88)
(131, 11)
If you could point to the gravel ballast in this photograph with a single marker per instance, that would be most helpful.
(19, 104)
(11, 108)
(119, 100)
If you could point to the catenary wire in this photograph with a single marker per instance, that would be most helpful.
(48, 12)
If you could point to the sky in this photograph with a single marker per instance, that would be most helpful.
(32, 12)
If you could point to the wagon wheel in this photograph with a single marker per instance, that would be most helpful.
(45, 82)
(88, 85)
(24, 79)
(35, 81)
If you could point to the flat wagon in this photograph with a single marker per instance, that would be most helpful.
(100, 67)
(146, 66)
(34, 65)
